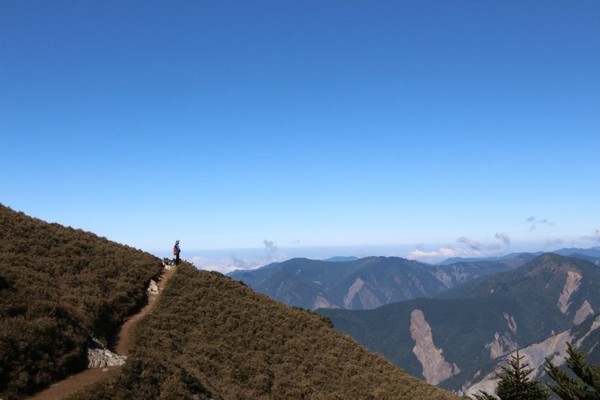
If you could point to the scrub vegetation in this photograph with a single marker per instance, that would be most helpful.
(212, 336)
(59, 287)
(208, 337)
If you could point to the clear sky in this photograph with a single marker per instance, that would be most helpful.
(435, 128)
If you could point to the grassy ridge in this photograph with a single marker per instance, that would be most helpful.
(212, 336)
(58, 287)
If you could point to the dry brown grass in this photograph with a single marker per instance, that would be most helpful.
(208, 337)
(58, 287)
(210, 334)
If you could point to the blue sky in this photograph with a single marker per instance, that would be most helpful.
(432, 128)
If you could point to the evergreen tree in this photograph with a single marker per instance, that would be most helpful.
(583, 384)
(515, 384)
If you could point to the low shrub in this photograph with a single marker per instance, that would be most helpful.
(59, 287)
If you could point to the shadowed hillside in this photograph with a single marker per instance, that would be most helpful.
(211, 336)
(365, 283)
(448, 340)
(59, 287)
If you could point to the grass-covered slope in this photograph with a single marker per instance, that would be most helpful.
(59, 287)
(212, 336)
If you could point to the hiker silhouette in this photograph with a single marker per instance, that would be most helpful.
(176, 251)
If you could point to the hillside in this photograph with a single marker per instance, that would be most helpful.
(584, 337)
(564, 288)
(60, 287)
(365, 283)
(207, 337)
(211, 336)
(518, 258)
(479, 321)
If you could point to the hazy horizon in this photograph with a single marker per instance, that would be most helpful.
(228, 260)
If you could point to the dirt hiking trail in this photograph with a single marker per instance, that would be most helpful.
(123, 345)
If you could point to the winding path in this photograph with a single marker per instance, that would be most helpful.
(124, 343)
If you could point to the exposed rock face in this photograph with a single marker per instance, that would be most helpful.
(584, 311)
(353, 291)
(500, 345)
(534, 355)
(435, 368)
(444, 278)
(555, 348)
(453, 277)
(153, 287)
(595, 326)
(322, 302)
(571, 286)
(359, 293)
(510, 320)
(100, 357)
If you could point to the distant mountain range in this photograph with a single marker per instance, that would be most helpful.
(449, 339)
(452, 323)
(590, 253)
(371, 282)
(341, 259)
(365, 283)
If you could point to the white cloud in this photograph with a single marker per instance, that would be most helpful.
(503, 237)
(440, 254)
(223, 263)
(534, 222)
(473, 249)
(270, 250)
(473, 244)
(594, 237)
(226, 264)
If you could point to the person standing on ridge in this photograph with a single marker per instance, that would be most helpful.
(176, 251)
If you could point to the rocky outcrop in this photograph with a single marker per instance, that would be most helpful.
(152, 287)
(510, 320)
(435, 368)
(353, 291)
(535, 355)
(454, 276)
(100, 357)
(322, 302)
(500, 345)
(571, 286)
(583, 313)
(554, 348)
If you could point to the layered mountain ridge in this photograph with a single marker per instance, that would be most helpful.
(479, 321)
(450, 324)
(365, 283)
